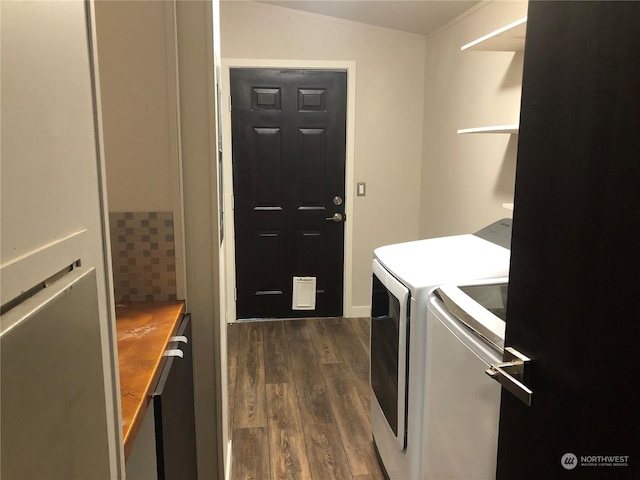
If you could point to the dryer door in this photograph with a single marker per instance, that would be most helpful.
(389, 332)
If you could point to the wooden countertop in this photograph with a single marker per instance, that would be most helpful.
(143, 330)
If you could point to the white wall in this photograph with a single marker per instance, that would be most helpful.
(388, 113)
(467, 178)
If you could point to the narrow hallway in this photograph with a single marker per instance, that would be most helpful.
(299, 399)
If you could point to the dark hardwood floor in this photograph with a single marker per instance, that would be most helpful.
(299, 400)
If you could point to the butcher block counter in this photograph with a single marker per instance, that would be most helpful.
(143, 331)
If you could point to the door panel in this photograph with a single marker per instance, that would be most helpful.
(271, 246)
(312, 152)
(309, 251)
(267, 165)
(52, 384)
(289, 137)
(572, 302)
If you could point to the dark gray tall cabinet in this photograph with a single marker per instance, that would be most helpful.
(574, 279)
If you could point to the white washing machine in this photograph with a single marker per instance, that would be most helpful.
(404, 276)
(465, 332)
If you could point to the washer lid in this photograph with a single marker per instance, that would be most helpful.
(425, 264)
(481, 307)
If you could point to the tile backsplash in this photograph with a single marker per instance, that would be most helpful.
(143, 256)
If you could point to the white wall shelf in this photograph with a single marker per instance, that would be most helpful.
(509, 129)
(509, 38)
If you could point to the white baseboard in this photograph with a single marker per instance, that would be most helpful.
(358, 311)
(227, 470)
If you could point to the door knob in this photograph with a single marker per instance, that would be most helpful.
(337, 217)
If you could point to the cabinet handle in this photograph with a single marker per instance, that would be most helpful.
(174, 352)
(179, 338)
(511, 374)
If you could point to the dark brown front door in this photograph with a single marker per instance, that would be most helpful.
(573, 286)
(289, 137)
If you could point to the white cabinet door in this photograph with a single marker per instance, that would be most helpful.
(53, 221)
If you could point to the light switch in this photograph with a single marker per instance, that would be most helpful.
(361, 189)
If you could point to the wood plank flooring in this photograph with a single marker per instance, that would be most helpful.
(299, 400)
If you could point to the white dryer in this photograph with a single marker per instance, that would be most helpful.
(404, 275)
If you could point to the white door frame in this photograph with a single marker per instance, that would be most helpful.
(229, 240)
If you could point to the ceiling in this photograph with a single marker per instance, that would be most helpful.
(415, 16)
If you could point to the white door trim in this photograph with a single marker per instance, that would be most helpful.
(229, 241)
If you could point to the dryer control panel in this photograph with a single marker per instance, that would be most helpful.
(498, 232)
